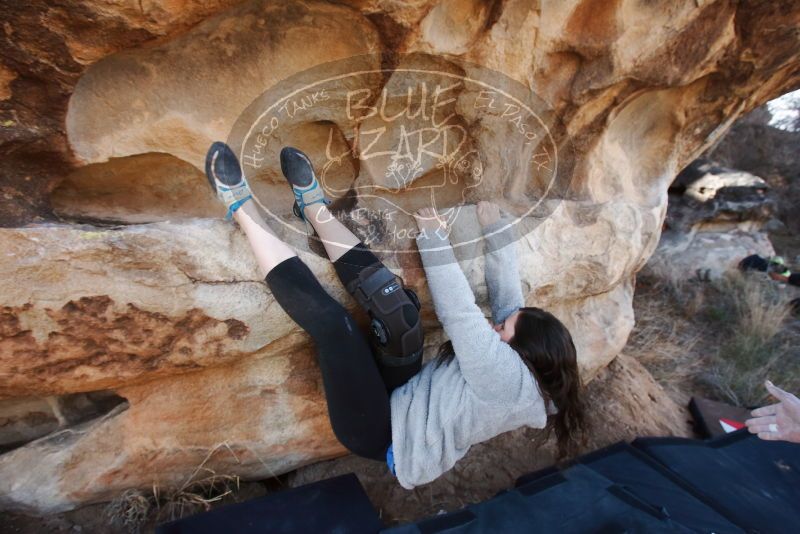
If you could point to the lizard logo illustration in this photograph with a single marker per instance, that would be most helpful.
(389, 141)
(402, 158)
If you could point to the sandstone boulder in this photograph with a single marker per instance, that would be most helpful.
(706, 255)
(129, 282)
(219, 316)
(184, 94)
(257, 417)
(714, 220)
(85, 308)
(708, 197)
(25, 419)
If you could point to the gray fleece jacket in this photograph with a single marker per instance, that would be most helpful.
(486, 389)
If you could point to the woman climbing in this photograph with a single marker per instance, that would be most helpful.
(522, 370)
(357, 384)
(487, 380)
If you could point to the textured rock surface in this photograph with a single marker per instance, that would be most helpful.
(46, 48)
(107, 110)
(212, 73)
(706, 255)
(143, 188)
(24, 419)
(708, 197)
(754, 146)
(714, 219)
(257, 417)
(104, 322)
(624, 402)
(135, 304)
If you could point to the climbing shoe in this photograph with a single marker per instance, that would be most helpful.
(226, 178)
(299, 172)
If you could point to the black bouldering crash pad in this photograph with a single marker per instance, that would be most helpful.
(335, 505)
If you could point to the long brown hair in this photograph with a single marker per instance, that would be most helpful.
(545, 346)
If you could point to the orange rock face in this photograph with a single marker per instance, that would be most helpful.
(116, 272)
(258, 417)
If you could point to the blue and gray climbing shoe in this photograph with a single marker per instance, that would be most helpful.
(226, 178)
(299, 172)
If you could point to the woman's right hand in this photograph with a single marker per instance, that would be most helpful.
(488, 213)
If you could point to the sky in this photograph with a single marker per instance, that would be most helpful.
(785, 110)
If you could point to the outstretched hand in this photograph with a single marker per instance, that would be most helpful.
(429, 221)
(780, 421)
(488, 213)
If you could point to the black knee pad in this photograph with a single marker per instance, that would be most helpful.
(396, 329)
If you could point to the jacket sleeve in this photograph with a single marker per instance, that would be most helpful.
(491, 368)
(502, 270)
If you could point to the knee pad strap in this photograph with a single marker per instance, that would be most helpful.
(396, 330)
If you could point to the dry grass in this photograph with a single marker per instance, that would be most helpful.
(130, 510)
(134, 508)
(719, 339)
(199, 496)
(665, 340)
(758, 338)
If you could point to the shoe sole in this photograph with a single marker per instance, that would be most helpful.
(222, 166)
(296, 167)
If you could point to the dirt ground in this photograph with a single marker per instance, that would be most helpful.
(624, 402)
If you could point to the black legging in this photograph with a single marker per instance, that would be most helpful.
(358, 399)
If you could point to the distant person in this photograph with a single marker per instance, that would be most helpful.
(777, 269)
(777, 422)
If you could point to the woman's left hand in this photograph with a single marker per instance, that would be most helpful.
(429, 221)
